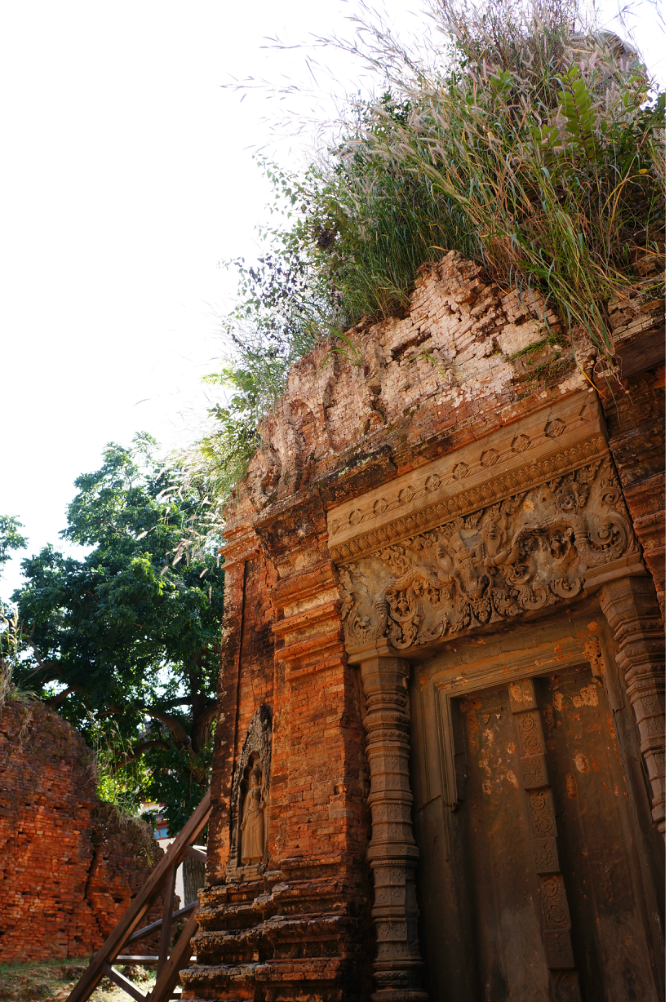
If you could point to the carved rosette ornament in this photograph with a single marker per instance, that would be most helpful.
(525, 553)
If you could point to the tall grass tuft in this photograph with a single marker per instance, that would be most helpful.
(530, 144)
(517, 134)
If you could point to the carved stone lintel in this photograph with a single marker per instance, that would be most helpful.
(631, 608)
(509, 460)
(392, 852)
(531, 551)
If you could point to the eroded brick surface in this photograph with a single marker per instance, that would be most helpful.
(469, 360)
(69, 864)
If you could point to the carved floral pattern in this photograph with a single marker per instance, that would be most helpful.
(542, 813)
(545, 855)
(522, 554)
(457, 502)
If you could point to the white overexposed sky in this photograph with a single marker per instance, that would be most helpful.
(126, 177)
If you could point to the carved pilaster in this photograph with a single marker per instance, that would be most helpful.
(392, 852)
(631, 608)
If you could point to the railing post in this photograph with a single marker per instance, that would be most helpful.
(140, 905)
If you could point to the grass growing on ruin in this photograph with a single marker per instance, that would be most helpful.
(516, 133)
(52, 981)
(527, 141)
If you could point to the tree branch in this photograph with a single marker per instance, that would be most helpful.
(51, 666)
(138, 751)
(180, 734)
(201, 724)
(57, 700)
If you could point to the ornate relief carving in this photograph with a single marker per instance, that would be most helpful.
(392, 852)
(542, 813)
(250, 792)
(546, 859)
(529, 733)
(252, 828)
(534, 771)
(567, 434)
(453, 501)
(528, 552)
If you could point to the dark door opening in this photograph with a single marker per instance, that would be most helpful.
(530, 891)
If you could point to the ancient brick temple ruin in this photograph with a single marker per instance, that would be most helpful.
(69, 863)
(439, 769)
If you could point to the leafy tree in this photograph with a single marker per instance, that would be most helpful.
(124, 642)
(10, 640)
(10, 538)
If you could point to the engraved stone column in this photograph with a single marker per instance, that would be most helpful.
(631, 608)
(392, 852)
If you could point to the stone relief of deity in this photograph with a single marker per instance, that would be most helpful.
(252, 836)
(250, 794)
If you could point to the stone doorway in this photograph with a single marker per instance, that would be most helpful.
(537, 859)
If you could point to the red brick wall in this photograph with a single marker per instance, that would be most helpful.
(69, 863)
(299, 927)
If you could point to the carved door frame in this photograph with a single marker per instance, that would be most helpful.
(528, 521)
(584, 639)
(513, 666)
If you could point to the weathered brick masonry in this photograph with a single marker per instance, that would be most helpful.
(69, 864)
(457, 478)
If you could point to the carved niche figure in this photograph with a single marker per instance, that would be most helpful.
(250, 793)
(252, 824)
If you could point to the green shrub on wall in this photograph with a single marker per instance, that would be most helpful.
(516, 135)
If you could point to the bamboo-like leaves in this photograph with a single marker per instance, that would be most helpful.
(578, 109)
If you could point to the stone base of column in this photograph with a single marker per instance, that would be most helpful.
(401, 983)
(400, 995)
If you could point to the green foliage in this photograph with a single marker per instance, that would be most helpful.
(578, 109)
(517, 136)
(255, 383)
(125, 641)
(10, 647)
(533, 148)
(10, 632)
(10, 537)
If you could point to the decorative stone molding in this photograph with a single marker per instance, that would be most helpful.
(392, 853)
(257, 747)
(526, 553)
(632, 611)
(546, 444)
(555, 913)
